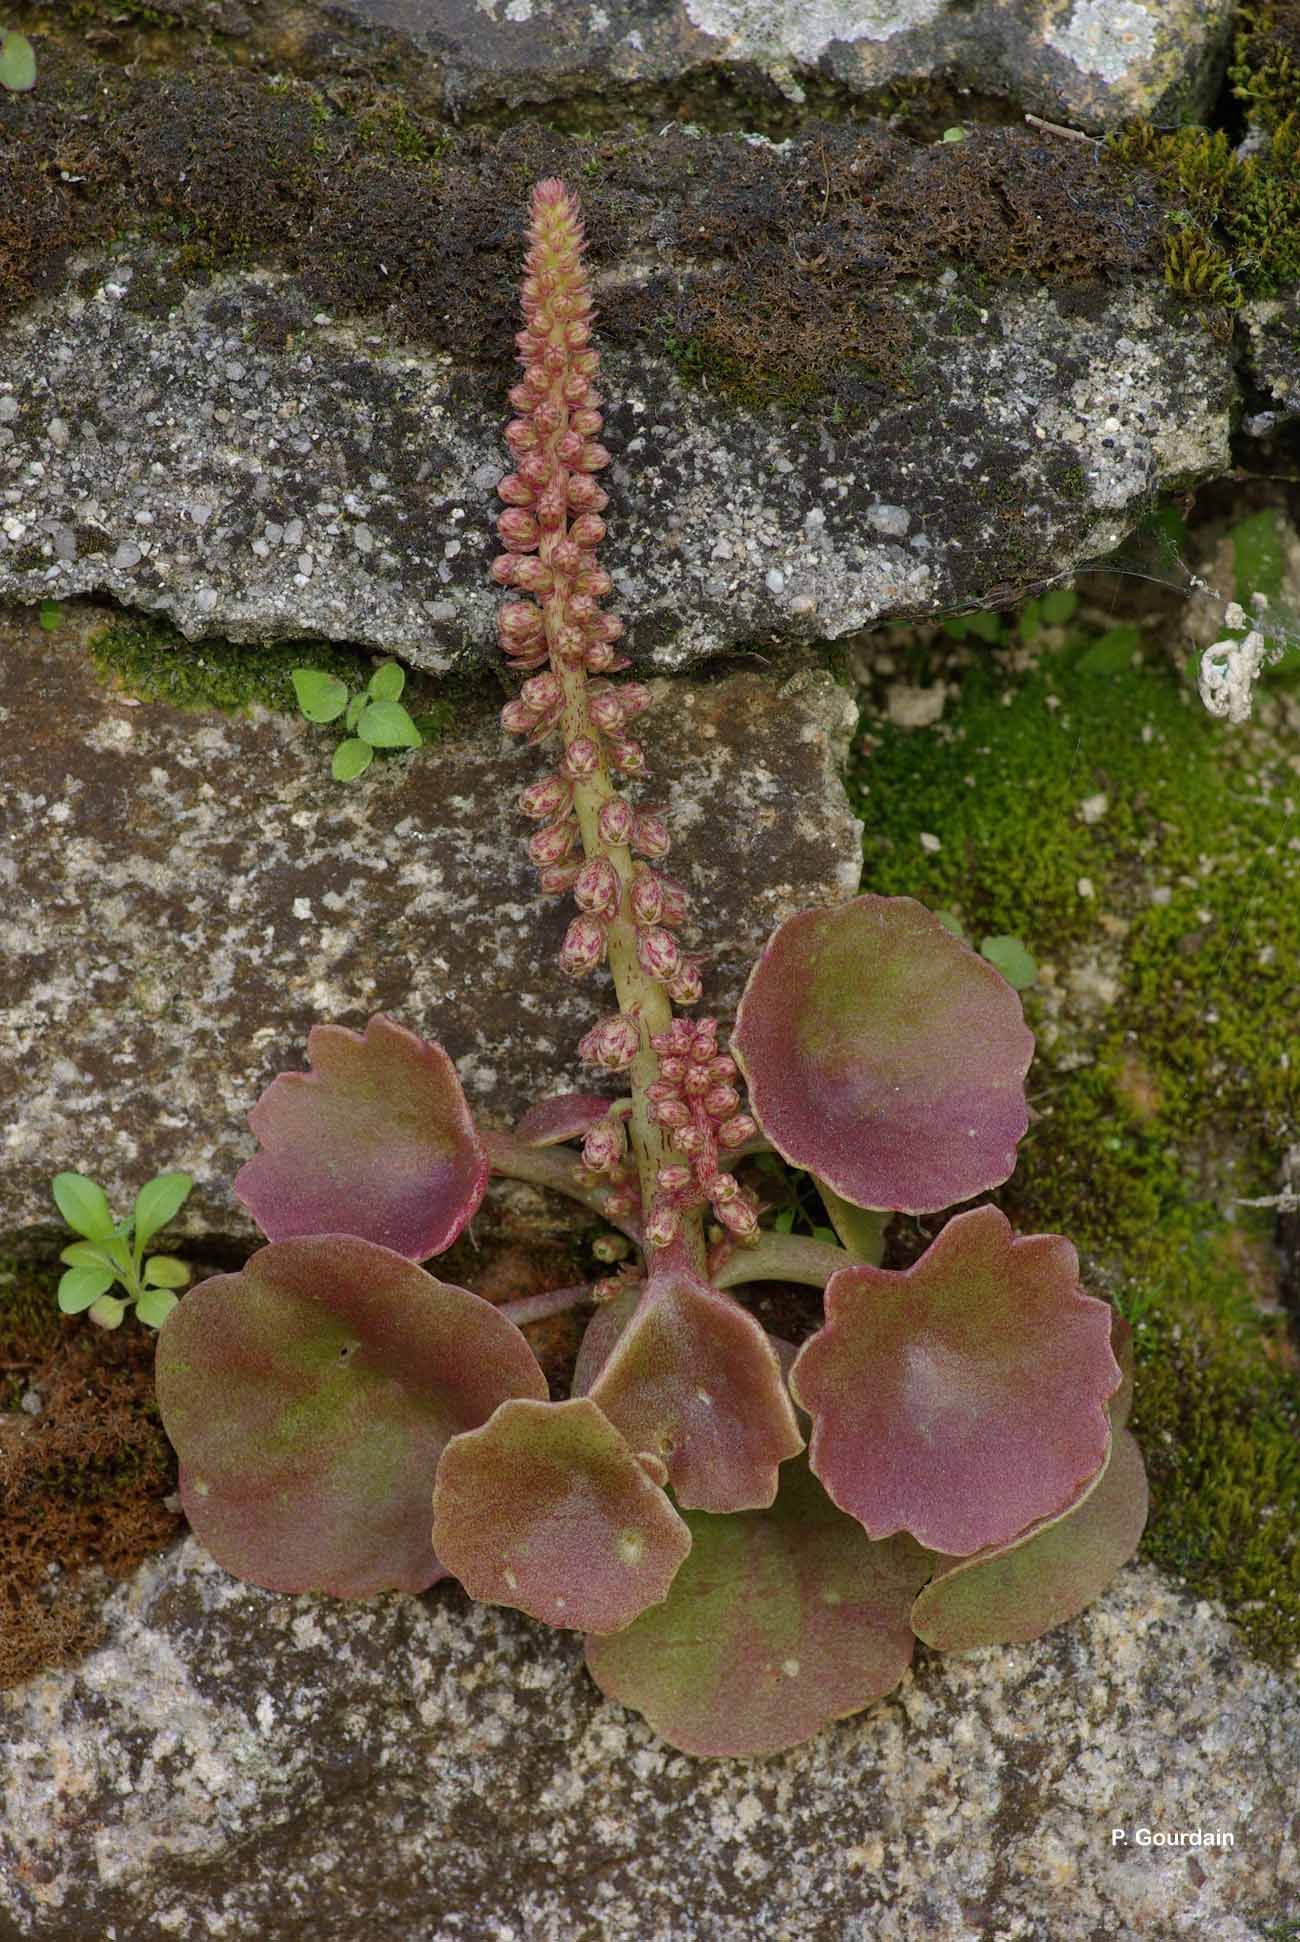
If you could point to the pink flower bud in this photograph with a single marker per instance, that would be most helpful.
(615, 821)
(535, 470)
(605, 627)
(720, 1102)
(587, 530)
(591, 458)
(605, 1146)
(736, 1131)
(556, 878)
(504, 570)
(581, 758)
(577, 391)
(646, 897)
(687, 988)
(672, 1071)
(691, 1139)
(723, 1070)
(674, 1179)
(740, 1217)
(670, 1112)
(583, 947)
(518, 529)
(636, 699)
(549, 417)
(569, 448)
(577, 334)
(594, 582)
(552, 844)
(722, 1188)
(517, 718)
(521, 437)
(552, 505)
(530, 573)
(658, 952)
(605, 706)
(696, 1081)
(588, 362)
(660, 1088)
(650, 837)
(543, 693)
(587, 422)
(515, 491)
(612, 1044)
(598, 888)
(564, 557)
(519, 621)
(676, 902)
(662, 1224)
(585, 495)
(551, 796)
(626, 757)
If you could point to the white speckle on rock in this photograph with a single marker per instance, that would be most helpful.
(774, 579)
(127, 555)
(802, 30)
(891, 521)
(1108, 38)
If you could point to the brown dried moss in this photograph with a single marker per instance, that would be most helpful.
(783, 267)
(82, 1483)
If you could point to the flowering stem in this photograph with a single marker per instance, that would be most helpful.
(546, 1166)
(782, 1257)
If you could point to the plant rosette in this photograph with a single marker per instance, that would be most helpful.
(751, 1538)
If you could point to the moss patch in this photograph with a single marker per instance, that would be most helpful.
(1079, 757)
(152, 662)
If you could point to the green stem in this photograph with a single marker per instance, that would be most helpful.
(861, 1229)
(554, 1167)
(783, 1257)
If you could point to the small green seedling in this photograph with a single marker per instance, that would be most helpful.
(113, 1252)
(17, 62)
(49, 614)
(1006, 954)
(375, 718)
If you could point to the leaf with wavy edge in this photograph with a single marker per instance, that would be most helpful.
(693, 1379)
(376, 1140)
(1022, 1590)
(885, 1056)
(309, 1398)
(964, 1398)
(601, 1337)
(779, 1620)
(546, 1508)
(569, 1116)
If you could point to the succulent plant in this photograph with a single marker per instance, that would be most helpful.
(751, 1538)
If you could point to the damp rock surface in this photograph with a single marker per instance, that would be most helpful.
(424, 1768)
(187, 893)
(331, 484)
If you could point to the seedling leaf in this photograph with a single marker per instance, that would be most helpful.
(83, 1205)
(351, 758)
(386, 724)
(321, 697)
(159, 1201)
(387, 682)
(81, 1286)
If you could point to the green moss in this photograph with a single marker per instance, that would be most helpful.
(151, 661)
(1179, 1094)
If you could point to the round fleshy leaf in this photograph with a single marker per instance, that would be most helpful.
(963, 1399)
(309, 1398)
(885, 1056)
(779, 1621)
(693, 1379)
(602, 1335)
(569, 1116)
(1023, 1589)
(376, 1140)
(546, 1508)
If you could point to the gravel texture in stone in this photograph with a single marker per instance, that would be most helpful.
(336, 488)
(185, 894)
(1093, 63)
(234, 1763)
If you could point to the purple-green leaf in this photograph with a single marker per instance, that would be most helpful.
(601, 1337)
(779, 1620)
(547, 1509)
(309, 1398)
(885, 1056)
(569, 1116)
(376, 1140)
(693, 1379)
(963, 1399)
(1023, 1589)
